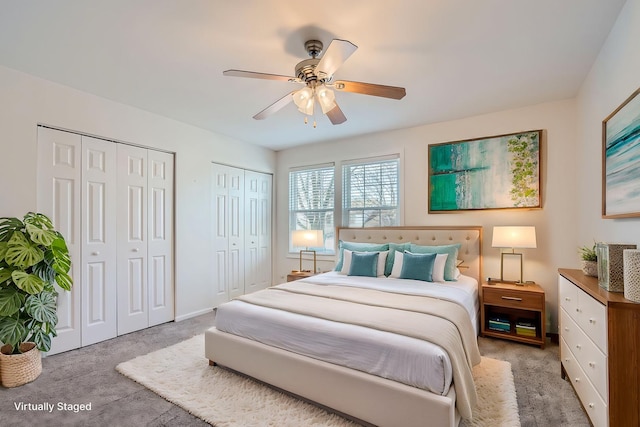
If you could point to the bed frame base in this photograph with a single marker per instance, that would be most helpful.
(375, 400)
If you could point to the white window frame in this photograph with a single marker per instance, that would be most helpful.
(330, 210)
(348, 190)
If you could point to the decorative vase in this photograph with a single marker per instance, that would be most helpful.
(631, 261)
(610, 267)
(19, 369)
(590, 268)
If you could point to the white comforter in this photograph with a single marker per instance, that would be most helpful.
(400, 358)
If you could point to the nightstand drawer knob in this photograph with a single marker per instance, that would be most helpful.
(512, 298)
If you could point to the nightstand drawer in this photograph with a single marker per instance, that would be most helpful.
(513, 298)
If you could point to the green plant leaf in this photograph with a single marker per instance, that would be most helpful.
(64, 281)
(3, 250)
(21, 252)
(12, 331)
(8, 226)
(40, 236)
(61, 259)
(30, 283)
(42, 307)
(10, 301)
(5, 274)
(39, 220)
(42, 340)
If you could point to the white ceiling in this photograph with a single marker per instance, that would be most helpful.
(456, 58)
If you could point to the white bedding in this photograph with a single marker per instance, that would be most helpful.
(400, 358)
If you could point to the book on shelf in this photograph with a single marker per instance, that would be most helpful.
(526, 327)
(499, 324)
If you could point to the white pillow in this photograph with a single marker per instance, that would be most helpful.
(438, 266)
(346, 262)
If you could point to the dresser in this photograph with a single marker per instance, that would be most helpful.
(600, 349)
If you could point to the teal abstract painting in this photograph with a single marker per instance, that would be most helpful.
(621, 152)
(497, 172)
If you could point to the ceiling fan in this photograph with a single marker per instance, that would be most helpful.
(317, 76)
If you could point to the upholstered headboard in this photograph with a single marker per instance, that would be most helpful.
(470, 238)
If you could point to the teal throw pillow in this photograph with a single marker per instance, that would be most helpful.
(450, 264)
(364, 264)
(393, 247)
(358, 247)
(418, 266)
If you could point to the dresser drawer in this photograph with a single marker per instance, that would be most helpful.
(592, 318)
(515, 299)
(568, 296)
(595, 407)
(592, 361)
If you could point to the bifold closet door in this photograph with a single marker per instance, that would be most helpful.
(160, 242)
(145, 238)
(257, 231)
(58, 196)
(228, 232)
(98, 208)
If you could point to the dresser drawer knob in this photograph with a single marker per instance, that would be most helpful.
(566, 359)
(578, 346)
(577, 380)
(512, 298)
(578, 310)
(591, 405)
(567, 299)
(592, 364)
(566, 329)
(592, 321)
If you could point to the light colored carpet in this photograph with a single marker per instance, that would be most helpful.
(182, 375)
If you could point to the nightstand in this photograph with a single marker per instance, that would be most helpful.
(513, 312)
(297, 275)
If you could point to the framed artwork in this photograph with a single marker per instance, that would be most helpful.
(621, 160)
(496, 172)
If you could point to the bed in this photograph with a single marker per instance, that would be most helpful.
(330, 340)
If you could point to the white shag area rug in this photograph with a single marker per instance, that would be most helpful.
(182, 375)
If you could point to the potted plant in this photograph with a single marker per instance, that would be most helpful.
(33, 258)
(589, 260)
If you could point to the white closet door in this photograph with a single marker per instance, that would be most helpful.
(236, 232)
(132, 239)
(58, 197)
(265, 185)
(251, 230)
(99, 246)
(220, 210)
(160, 244)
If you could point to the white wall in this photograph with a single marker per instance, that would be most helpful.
(26, 101)
(614, 76)
(555, 222)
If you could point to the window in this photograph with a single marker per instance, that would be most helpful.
(311, 203)
(370, 193)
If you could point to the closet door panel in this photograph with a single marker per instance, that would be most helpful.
(58, 197)
(160, 245)
(252, 236)
(236, 232)
(264, 265)
(220, 209)
(98, 207)
(132, 239)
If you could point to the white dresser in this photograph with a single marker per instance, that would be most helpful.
(600, 349)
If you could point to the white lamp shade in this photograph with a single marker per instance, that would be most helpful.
(326, 99)
(307, 238)
(514, 237)
(304, 100)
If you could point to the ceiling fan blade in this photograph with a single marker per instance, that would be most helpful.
(336, 115)
(276, 106)
(264, 76)
(392, 92)
(337, 52)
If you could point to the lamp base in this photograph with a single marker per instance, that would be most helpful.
(314, 260)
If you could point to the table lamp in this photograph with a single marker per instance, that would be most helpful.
(308, 239)
(513, 237)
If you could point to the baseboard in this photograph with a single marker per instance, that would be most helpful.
(193, 314)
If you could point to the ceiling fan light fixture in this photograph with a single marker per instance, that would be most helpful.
(326, 99)
(304, 100)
